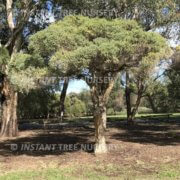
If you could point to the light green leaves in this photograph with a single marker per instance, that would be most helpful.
(19, 62)
(97, 45)
(27, 79)
(24, 71)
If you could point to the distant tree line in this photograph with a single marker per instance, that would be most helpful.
(162, 96)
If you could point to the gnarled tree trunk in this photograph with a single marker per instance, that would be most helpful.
(9, 127)
(132, 111)
(100, 94)
(100, 120)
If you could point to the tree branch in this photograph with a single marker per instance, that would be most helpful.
(9, 10)
(24, 17)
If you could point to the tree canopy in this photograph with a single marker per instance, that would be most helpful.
(102, 46)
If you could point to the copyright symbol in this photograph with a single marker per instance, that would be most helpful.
(14, 147)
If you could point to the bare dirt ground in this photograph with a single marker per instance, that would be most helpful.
(143, 148)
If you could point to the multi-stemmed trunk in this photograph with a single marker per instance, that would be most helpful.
(9, 127)
(62, 98)
(132, 111)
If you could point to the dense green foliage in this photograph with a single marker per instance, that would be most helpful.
(74, 106)
(40, 103)
(79, 43)
(44, 103)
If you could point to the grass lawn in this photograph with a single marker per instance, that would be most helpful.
(112, 117)
(94, 172)
(173, 115)
(148, 150)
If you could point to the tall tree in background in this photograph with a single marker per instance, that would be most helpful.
(13, 45)
(18, 20)
(157, 96)
(150, 14)
(85, 96)
(38, 103)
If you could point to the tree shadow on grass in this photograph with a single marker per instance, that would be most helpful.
(49, 142)
(158, 132)
(71, 137)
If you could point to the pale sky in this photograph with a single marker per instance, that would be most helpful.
(77, 86)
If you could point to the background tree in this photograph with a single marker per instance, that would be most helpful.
(74, 106)
(85, 96)
(38, 103)
(150, 14)
(173, 74)
(116, 100)
(157, 95)
(62, 98)
(139, 79)
(18, 20)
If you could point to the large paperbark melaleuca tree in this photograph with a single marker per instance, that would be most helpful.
(13, 28)
(19, 75)
(18, 20)
(97, 50)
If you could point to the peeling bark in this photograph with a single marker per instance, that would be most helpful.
(100, 146)
(14, 43)
(9, 127)
(10, 14)
(100, 95)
